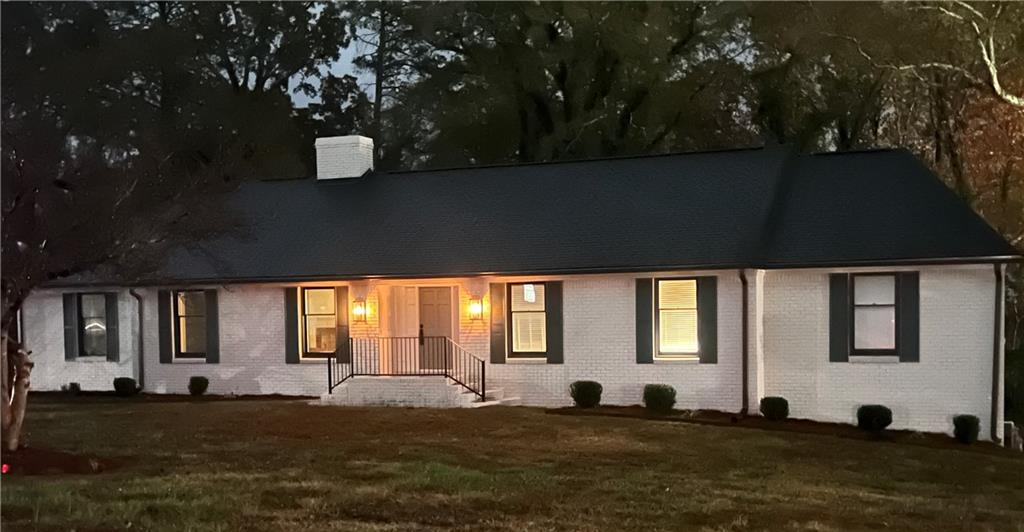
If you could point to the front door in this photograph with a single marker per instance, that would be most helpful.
(436, 323)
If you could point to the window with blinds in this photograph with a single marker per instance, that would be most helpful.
(677, 318)
(529, 320)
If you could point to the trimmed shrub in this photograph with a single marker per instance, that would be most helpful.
(586, 394)
(874, 418)
(125, 387)
(775, 408)
(71, 388)
(197, 385)
(966, 428)
(659, 398)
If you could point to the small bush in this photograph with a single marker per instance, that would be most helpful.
(966, 428)
(775, 408)
(586, 394)
(71, 388)
(125, 387)
(874, 418)
(197, 385)
(659, 398)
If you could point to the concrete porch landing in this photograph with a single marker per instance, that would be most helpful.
(419, 391)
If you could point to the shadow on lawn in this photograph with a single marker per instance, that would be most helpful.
(39, 461)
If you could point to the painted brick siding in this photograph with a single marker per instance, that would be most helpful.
(954, 375)
(252, 349)
(600, 344)
(790, 359)
(43, 319)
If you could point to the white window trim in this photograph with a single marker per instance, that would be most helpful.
(318, 358)
(176, 332)
(528, 357)
(874, 359)
(526, 360)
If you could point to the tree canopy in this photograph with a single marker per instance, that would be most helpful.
(163, 105)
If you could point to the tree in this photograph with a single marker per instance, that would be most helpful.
(124, 125)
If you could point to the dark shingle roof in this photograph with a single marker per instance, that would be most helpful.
(745, 208)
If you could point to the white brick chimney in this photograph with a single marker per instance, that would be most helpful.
(343, 157)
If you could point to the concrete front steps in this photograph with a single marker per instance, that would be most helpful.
(421, 391)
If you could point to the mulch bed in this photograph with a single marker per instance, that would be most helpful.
(64, 397)
(39, 461)
(806, 426)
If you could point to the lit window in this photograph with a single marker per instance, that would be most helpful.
(190, 318)
(677, 318)
(529, 320)
(93, 324)
(320, 320)
(874, 313)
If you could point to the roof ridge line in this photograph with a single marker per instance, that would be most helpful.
(570, 161)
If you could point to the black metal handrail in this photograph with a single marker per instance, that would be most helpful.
(408, 356)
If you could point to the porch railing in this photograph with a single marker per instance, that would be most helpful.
(407, 356)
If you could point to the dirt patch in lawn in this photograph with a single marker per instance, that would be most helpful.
(39, 461)
(806, 426)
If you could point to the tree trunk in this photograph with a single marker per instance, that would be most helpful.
(17, 369)
(378, 97)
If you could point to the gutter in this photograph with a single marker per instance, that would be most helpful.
(553, 271)
(997, 351)
(534, 272)
(745, 339)
(142, 339)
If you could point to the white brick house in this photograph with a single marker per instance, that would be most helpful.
(499, 279)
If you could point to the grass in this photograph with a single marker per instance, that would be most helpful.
(274, 465)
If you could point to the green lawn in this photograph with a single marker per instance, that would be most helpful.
(273, 465)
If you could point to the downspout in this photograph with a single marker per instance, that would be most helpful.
(997, 352)
(142, 339)
(744, 349)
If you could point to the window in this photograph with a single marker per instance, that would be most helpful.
(874, 314)
(676, 302)
(528, 319)
(190, 320)
(320, 322)
(92, 325)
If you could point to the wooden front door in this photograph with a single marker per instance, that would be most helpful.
(436, 321)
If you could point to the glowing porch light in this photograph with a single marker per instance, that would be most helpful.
(359, 310)
(476, 309)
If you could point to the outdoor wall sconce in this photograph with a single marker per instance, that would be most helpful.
(359, 310)
(476, 308)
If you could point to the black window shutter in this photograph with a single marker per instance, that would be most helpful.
(164, 326)
(113, 339)
(212, 329)
(909, 319)
(71, 326)
(291, 325)
(707, 319)
(839, 317)
(645, 321)
(341, 307)
(497, 323)
(553, 321)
